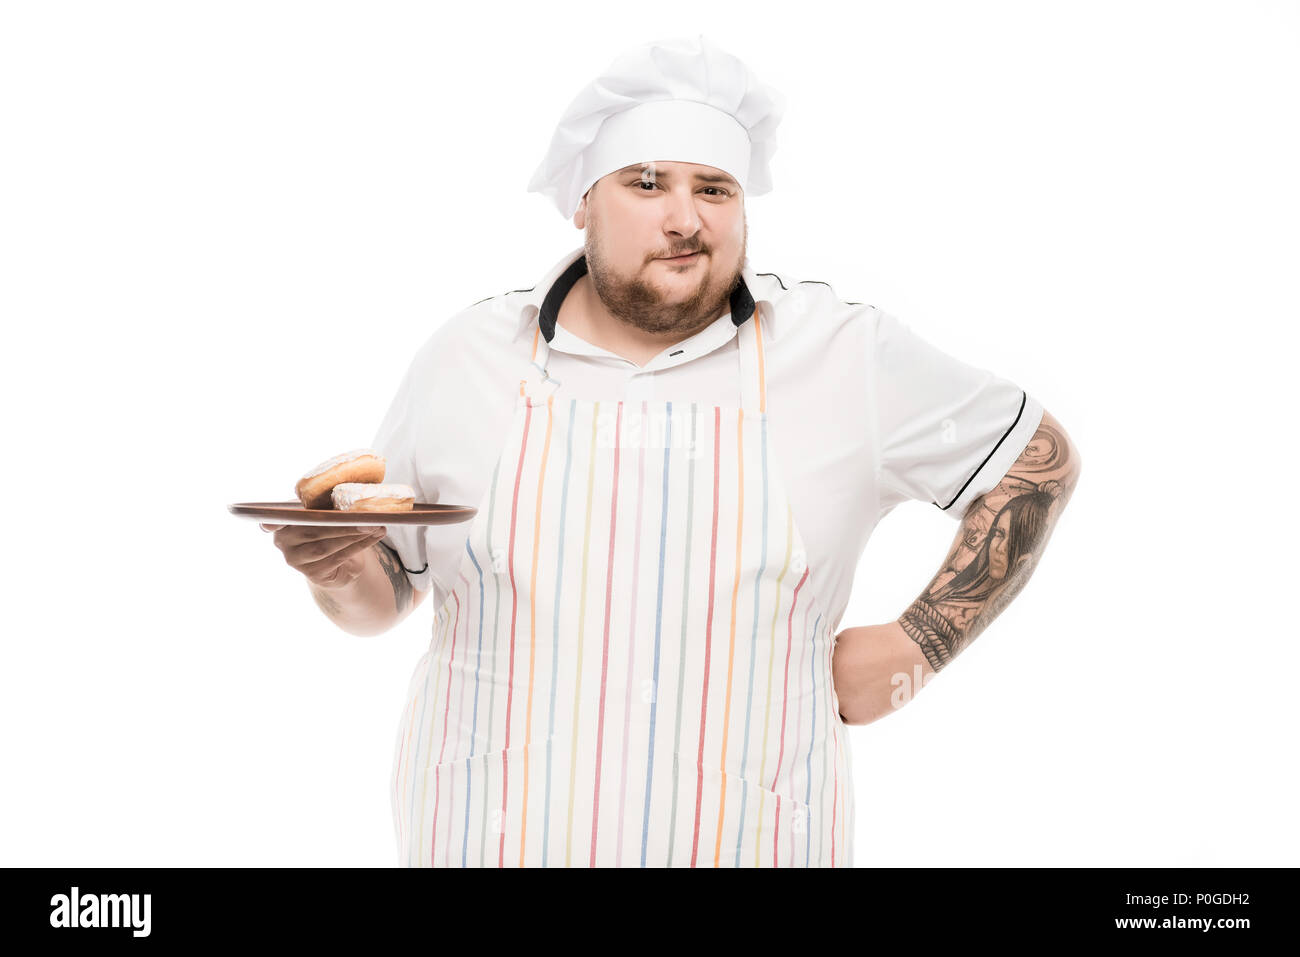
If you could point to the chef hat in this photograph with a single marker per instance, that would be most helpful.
(675, 100)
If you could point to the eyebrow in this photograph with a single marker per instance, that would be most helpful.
(665, 175)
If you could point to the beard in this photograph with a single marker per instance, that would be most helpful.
(640, 304)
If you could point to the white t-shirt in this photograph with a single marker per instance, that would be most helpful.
(863, 413)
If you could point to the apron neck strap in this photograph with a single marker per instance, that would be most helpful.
(538, 384)
(753, 365)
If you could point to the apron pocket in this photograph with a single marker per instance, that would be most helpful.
(469, 812)
(759, 828)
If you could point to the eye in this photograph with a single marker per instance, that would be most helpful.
(718, 191)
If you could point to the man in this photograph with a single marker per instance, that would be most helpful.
(676, 462)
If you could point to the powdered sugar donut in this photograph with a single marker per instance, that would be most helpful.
(373, 497)
(359, 465)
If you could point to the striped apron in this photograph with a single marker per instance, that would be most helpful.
(631, 669)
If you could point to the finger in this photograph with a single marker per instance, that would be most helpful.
(305, 553)
(337, 577)
(322, 569)
(269, 528)
(298, 534)
(333, 548)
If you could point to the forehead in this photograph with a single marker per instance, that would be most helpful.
(669, 169)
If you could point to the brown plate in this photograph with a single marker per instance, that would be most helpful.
(292, 513)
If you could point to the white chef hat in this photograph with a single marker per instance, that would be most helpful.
(674, 100)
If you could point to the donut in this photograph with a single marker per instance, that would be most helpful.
(373, 497)
(359, 465)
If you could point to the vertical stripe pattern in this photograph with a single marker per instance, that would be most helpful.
(631, 669)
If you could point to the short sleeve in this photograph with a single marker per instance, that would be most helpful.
(396, 441)
(948, 431)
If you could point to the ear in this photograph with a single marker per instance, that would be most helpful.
(580, 215)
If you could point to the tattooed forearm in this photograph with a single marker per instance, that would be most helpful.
(1003, 534)
(397, 575)
(326, 602)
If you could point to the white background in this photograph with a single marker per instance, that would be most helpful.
(226, 227)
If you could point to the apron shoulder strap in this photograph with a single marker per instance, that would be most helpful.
(753, 379)
(537, 383)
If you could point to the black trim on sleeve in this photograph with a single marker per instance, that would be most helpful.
(801, 281)
(987, 457)
(409, 571)
(486, 298)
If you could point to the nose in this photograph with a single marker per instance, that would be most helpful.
(681, 216)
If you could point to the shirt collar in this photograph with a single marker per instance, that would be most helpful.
(541, 303)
